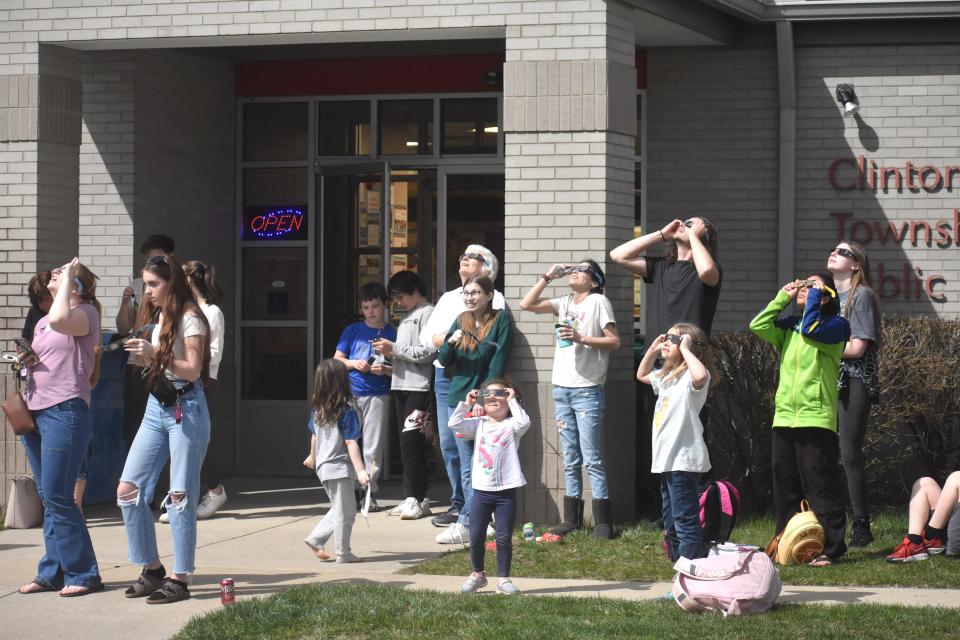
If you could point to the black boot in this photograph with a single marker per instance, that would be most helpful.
(602, 524)
(860, 535)
(572, 516)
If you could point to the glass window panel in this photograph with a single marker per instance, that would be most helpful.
(275, 283)
(369, 213)
(475, 212)
(638, 148)
(274, 363)
(275, 131)
(369, 269)
(277, 192)
(469, 125)
(344, 128)
(406, 127)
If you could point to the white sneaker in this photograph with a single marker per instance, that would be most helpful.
(417, 510)
(473, 583)
(456, 533)
(506, 587)
(165, 518)
(211, 502)
(403, 506)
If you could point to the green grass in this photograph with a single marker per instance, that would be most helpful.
(637, 555)
(382, 612)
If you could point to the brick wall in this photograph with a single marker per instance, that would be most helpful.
(910, 111)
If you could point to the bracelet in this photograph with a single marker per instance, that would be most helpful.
(662, 237)
(546, 278)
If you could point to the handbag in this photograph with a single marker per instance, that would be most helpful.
(166, 393)
(24, 507)
(19, 417)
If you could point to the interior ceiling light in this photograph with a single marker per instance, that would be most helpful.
(848, 98)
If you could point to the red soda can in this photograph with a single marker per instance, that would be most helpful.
(228, 593)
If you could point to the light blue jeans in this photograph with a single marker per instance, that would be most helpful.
(160, 437)
(55, 450)
(448, 441)
(579, 415)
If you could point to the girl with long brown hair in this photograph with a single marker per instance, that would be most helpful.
(176, 425)
(476, 347)
(859, 387)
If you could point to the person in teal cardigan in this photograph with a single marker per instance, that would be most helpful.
(805, 452)
(476, 348)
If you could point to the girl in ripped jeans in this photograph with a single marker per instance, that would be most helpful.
(176, 425)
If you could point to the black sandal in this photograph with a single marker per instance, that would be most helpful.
(170, 591)
(144, 586)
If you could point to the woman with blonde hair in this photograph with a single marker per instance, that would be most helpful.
(58, 395)
(859, 387)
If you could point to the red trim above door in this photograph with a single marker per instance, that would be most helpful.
(641, 57)
(362, 76)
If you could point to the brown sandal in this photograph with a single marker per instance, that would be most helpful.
(144, 586)
(170, 591)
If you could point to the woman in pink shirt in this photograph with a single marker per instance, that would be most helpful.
(58, 395)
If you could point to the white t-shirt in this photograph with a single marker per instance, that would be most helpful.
(579, 365)
(496, 461)
(448, 308)
(190, 325)
(678, 443)
(217, 327)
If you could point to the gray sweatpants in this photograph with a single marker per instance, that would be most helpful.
(374, 420)
(337, 522)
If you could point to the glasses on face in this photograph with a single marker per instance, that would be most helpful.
(846, 253)
(472, 294)
(688, 222)
(472, 256)
(580, 268)
(156, 260)
(492, 394)
(677, 339)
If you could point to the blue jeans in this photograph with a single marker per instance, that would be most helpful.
(448, 441)
(55, 451)
(504, 505)
(185, 444)
(679, 491)
(579, 415)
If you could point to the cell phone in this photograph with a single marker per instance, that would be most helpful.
(28, 357)
(139, 332)
(372, 360)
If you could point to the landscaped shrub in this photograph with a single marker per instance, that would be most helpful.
(913, 431)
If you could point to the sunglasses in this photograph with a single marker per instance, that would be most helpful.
(154, 261)
(677, 339)
(492, 394)
(846, 253)
(688, 223)
(809, 284)
(472, 256)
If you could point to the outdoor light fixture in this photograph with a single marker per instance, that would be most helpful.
(848, 98)
(492, 78)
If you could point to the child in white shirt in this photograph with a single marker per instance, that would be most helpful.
(496, 430)
(679, 452)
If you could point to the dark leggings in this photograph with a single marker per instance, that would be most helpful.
(853, 412)
(484, 504)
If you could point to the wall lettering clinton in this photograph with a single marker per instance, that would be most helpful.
(904, 281)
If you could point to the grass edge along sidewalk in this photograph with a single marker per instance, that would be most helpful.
(637, 556)
(374, 611)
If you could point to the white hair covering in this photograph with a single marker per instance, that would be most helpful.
(490, 263)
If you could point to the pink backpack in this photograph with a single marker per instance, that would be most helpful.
(733, 583)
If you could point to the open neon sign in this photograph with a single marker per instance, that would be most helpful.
(276, 224)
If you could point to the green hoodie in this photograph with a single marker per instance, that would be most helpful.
(810, 347)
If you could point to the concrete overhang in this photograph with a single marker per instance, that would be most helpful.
(806, 10)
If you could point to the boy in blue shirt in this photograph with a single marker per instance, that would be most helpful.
(370, 376)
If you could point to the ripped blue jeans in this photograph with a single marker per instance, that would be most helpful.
(185, 443)
(579, 415)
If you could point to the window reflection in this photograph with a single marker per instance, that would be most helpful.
(274, 131)
(406, 127)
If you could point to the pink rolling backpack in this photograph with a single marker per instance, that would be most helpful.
(733, 583)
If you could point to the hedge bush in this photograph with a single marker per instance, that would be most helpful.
(913, 431)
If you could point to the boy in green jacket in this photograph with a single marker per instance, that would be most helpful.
(805, 450)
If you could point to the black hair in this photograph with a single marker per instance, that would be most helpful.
(832, 305)
(596, 274)
(406, 282)
(374, 291)
(158, 241)
(204, 278)
(37, 289)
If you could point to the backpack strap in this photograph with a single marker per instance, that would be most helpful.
(689, 568)
(728, 511)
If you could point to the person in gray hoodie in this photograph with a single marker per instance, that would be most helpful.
(411, 389)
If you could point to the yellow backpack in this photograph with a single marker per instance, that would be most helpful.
(800, 541)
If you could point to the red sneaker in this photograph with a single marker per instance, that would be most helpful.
(935, 546)
(906, 551)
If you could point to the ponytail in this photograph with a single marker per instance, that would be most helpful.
(88, 295)
(204, 278)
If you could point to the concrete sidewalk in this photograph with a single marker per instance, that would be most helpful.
(258, 541)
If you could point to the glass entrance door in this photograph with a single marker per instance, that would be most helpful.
(472, 213)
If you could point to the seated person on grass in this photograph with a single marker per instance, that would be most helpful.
(934, 521)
